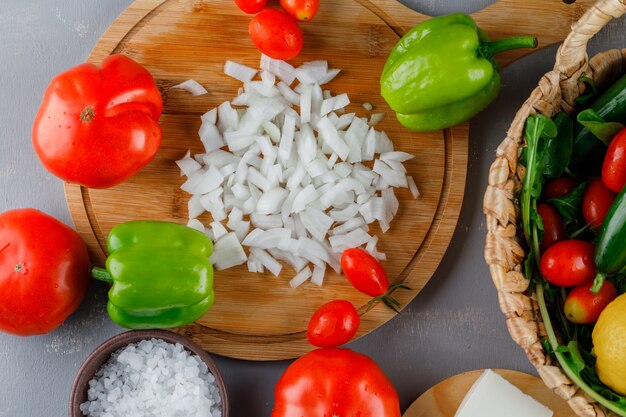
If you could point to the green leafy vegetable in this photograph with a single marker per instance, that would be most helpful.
(555, 152)
(569, 206)
(600, 128)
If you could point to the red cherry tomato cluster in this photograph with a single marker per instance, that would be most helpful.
(276, 33)
(570, 262)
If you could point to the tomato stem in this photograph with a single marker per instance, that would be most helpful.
(87, 114)
(387, 299)
(598, 282)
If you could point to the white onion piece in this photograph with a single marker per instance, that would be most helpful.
(305, 103)
(239, 72)
(330, 75)
(300, 277)
(289, 95)
(383, 143)
(196, 225)
(346, 214)
(194, 207)
(191, 86)
(296, 262)
(334, 103)
(396, 156)
(304, 197)
(350, 225)
(227, 252)
(376, 118)
(331, 137)
(266, 259)
(228, 119)
(202, 182)
(210, 117)
(391, 177)
(353, 239)
(312, 72)
(218, 230)
(188, 165)
(281, 69)
(368, 106)
(317, 278)
(414, 191)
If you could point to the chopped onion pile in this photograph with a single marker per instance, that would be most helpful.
(291, 185)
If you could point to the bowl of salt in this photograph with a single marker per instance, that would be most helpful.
(148, 373)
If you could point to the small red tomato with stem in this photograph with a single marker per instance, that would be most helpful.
(251, 6)
(583, 306)
(614, 165)
(333, 324)
(301, 10)
(276, 34)
(368, 276)
(558, 187)
(568, 263)
(553, 229)
(597, 201)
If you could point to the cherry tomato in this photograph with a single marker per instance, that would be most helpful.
(301, 9)
(276, 34)
(44, 272)
(614, 166)
(553, 230)
(568, 263)
(335, 382)
(558, 187)
(584, 307)
(251, 6)
(597, 201)
(364, 272)
(333, 324)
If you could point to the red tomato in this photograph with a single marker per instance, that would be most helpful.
(333, 324)
(301, 9)
(364, 272)
(614, 166)
(98, 126)
(568, 263)
(584, 307)
(276, 34)
(251, 6)
(597, 201)
(44, 272)
(558, 187)
(335, 382)
(553, 229)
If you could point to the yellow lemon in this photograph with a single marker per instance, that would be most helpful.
(609, 345)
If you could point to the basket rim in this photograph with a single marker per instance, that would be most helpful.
(503, 253)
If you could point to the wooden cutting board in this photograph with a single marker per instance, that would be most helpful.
(257, 316)
(444, 399)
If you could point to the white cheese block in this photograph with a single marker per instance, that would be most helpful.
(493, 396)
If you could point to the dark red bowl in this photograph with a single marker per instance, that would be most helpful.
(102, 353)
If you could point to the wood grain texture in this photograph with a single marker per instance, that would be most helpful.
(444, 399)
(257, 316)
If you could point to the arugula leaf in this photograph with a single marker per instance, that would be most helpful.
(600, 128)
(555, 152)
(537, 126)
(569, 206)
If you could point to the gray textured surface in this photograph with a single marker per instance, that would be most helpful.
(454, 325)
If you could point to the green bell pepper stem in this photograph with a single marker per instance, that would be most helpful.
(101, 274)
(489, 49)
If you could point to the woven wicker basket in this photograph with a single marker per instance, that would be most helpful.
(504, 252)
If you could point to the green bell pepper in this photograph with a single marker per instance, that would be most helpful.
(442, 72)
(161, 274)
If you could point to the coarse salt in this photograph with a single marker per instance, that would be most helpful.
(153, 378)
